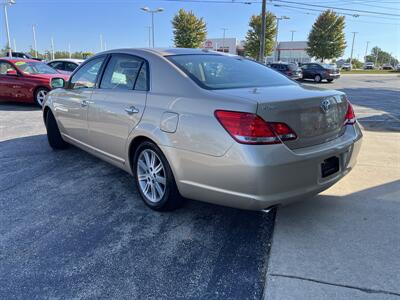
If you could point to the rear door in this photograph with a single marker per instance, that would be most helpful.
(117, 105)
(6, 81)
(71, 105)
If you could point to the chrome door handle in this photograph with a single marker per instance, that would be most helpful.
(131, 110)
(84, 103)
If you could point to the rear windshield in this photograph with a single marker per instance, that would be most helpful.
(227, 72)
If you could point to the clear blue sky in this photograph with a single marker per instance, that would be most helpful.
(123, 24)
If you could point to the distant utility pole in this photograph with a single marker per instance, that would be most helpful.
(366, 52)
(376, 56)
(277, 32)
(69, 50)
(101, 42)
(149, 34)
(223, 39)
(352, 48)
(34, 40)
(15, 45)
(52, 48)
(292, 31)
(262, 37)
(105, 45)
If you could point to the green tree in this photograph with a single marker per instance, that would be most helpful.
(189, 31)
(381, 57)
(252, 42)
(326, 39)
(355, 63)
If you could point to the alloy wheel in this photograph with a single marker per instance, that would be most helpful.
(151, 175)
(41, 96)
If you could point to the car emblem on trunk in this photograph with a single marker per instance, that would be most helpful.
(325, 105)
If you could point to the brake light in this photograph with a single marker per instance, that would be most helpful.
(248, 128)
(350, 117)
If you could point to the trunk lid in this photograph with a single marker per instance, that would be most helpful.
(316, 115)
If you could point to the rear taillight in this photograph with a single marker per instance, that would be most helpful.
(350, 117)
(248, 128)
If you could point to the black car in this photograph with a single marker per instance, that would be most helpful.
(320, 71)
(290, 70)
(24, 56)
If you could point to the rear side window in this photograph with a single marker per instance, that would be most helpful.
(4, 67)
(227, 72)
(59, 65)
(121, 72)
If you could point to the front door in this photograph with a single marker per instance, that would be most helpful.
(71, 105)
(117, 105)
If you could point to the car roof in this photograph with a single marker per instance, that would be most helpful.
(16, 59)
(167, 51)
(68, 60)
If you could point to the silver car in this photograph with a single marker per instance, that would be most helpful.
(191, 123)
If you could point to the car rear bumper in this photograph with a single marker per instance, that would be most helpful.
(258, 177)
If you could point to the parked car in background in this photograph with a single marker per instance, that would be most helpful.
(387, 67)
(24, 56)
(320, 71)
(369, 66)
(25, 80)
(206, 126)
(65, 64)
(346, 67)
(289, 69)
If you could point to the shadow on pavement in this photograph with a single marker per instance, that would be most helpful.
(343, 247)
(12, 106)
(73, 226)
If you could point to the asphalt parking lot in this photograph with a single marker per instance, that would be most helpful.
(72, 226)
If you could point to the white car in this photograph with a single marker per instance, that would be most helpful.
(346, 66)
(65, 64)
(369, 66)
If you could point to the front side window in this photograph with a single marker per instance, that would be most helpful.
(86, 76)
(30, 67)
(4, 67)
(227, 72)
(121, 72)
(58, 65)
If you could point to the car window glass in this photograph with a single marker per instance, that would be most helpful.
(69, 67)
(141, 82)
(4, 67)
(86, 76)
(224, 72)
(57, 65)
(121, 72)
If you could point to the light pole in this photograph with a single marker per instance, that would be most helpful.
(223, 39)
(366, 52)
(101, 42)
(52, 48)
(15, 45)
(152, 11)
(6, 3)
(276, 35)
(352, 47)
(34, 40)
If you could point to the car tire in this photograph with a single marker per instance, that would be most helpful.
(154, 178)
(317, 78)
(53, 133)
(40, 95)
(329, 80)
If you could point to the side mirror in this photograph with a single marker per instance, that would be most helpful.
(12, 72)
(57, 83)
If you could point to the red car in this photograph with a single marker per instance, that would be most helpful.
(26, 80)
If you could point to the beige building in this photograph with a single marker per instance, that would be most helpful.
(294, 51)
